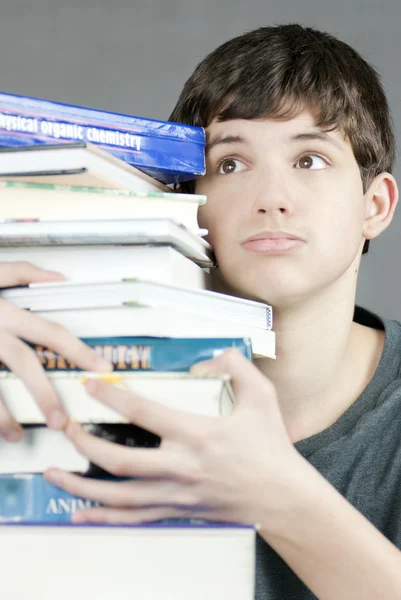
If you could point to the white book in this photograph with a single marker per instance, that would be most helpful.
(154, 562)
(93, 263)
(79, 164)
(67, 295)
(56, 202)
(159, 321)
(40, 449)
(139, 232)
(210, 396)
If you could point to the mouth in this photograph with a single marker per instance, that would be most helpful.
(272, 242)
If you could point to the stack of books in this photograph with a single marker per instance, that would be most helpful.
(137, 289)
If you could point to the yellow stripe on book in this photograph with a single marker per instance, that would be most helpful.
(108, 377)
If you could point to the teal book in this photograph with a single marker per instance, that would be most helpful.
(147, 353)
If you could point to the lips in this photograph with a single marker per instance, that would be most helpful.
(272, 242)
(272, 235)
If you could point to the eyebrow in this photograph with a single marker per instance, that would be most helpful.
(316, 135)
(223, 139)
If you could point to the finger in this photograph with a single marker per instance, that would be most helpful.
(21, 359)
(249, 385)
(115, 516)
(9, 428)
(35, 329)
(150, 415)
(23, 273)
(120, 460)
(121, 494)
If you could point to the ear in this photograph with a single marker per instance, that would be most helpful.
(380, 201)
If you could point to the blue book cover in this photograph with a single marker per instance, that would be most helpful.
(147, 353)
(30, 499)
(170, 152)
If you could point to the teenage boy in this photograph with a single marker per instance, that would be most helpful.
(299, 160)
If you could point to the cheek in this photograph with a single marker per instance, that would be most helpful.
(218, 216)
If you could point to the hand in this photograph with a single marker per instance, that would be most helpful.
(224, 469)
(20, 358)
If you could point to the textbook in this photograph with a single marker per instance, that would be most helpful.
(153, 561)
(211, 396)
(74, 164)
(41, 448)
(57, 202)
(66, 295)
(29, 498)
(123, 232)
(91, 263)
(170, 152)
(145, 353)
(159, 321)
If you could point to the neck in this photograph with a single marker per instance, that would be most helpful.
(324, 360)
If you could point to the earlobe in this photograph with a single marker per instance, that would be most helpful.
(381, 199)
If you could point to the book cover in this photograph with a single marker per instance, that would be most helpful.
(145, 353)
(112, 261)
(140, 232)
(66, 295)
(40, 201)
(41, 448)
(146, 562)
(170, 152)
(210, 396)
(29, 498)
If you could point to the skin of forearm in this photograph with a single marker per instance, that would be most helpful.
(331, 546)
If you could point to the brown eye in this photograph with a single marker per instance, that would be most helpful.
(311, 162)
(230, 165)
(305, 162)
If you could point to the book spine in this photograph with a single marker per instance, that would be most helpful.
(145, 354)
(29, 498)
(169, 152)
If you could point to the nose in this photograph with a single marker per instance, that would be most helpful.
(273, 193)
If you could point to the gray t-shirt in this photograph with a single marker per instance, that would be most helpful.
(360, 455)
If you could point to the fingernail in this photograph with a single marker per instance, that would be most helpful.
(14, 436)
(57, 420)
(101, 364)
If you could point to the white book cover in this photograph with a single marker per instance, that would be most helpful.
(147, 563)
(77, 164)
(159, 321)
(56, 202)
(203, 395)
(93, 263)
(139, 232)
(66, 295)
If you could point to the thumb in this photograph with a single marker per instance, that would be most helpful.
(249, 385)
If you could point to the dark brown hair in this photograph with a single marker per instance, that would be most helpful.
(275, 72)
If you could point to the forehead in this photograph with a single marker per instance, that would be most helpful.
(253, 131)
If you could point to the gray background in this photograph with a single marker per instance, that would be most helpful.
(134, 57)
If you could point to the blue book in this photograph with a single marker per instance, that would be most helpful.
(31, 499)
(170, 152)
(147, 353)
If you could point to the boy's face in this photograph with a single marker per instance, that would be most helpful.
(267, 176)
